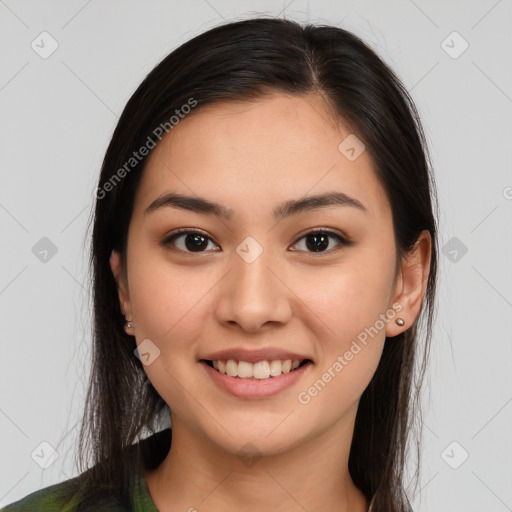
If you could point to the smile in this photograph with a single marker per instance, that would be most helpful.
(261, 370)
(262, 379)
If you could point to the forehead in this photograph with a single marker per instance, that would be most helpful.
(274, 148)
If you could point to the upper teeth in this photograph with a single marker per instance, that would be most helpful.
(259, 370)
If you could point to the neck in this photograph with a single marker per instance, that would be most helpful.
(313, 475)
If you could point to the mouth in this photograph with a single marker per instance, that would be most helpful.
(259, 379)
(261, 370)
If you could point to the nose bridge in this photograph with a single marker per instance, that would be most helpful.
(252, 294)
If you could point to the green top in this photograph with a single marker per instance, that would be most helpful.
(51, 499)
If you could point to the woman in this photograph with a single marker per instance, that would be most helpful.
(264, 250)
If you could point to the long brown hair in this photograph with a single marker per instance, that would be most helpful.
(238, 61)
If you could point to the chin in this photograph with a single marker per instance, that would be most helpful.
(259, 440)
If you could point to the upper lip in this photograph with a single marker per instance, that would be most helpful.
(253, 356)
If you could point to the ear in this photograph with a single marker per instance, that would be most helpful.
(411, 283)
(122, 285)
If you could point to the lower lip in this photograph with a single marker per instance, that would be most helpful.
(256, 388)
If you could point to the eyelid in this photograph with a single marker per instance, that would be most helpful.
(328, 231)
(185, 231)
(343, 240)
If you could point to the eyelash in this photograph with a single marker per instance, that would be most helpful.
(183, 231)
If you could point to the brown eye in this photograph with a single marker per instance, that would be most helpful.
(319, 241)
(188, 241)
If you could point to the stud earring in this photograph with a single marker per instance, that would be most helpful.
(128, 325)
(400, 322)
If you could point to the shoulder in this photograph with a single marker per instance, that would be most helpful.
(63, 496)
(60, 497)
(56, 497)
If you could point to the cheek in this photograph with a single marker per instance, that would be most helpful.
(350, 350)
(168, 302)
(349, 297)
(169, 309)
(350, 306)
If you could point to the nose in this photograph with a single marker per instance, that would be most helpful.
(253, 295)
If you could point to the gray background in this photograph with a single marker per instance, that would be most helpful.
(57, 115)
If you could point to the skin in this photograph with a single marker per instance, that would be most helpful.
(252, 157)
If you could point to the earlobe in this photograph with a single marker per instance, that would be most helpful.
(411, 284)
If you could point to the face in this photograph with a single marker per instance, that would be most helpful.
(303, 283)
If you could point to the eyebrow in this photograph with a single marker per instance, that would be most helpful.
(287, 209)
